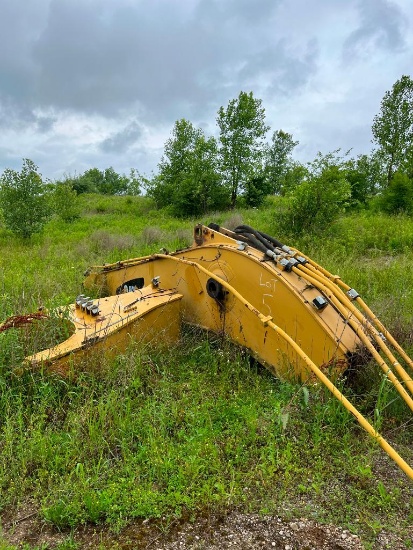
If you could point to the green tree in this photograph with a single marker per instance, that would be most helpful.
(365, 175)
(242, 132)
(408, 164)
(278, 159)
(75, 182)
(136, 182)
(393, 126)
(175, 163)
(65, 202)
(105, 182)
(188, 181)
(24, 200)
(398, 197)
(295, 174)
(113, 183)
(256, 189)
(318, 200)
(90, 181)
(208, 193)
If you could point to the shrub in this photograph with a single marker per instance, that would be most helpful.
(398, 197)
(151, 235)
(317, 201)
(65, 202)
(24, 200)
(102, 242)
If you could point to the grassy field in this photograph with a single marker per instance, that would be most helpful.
(197, 429)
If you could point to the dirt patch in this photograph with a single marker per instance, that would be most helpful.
(215, 532)
(253, 531)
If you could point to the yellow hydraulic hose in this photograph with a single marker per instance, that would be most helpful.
(339, 282)
(385, 332)
(356, 312)
(360, 333)
(320, 375)
(393, 454)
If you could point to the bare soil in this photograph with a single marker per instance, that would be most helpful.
(215, 532)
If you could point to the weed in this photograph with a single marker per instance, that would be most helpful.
(234, 221)
(151, 235)
(101, 242)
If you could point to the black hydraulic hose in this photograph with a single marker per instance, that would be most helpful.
(256, 243)
(260, 241)
(246, 230)
(249, 229)
(265, 242)
(272, 240)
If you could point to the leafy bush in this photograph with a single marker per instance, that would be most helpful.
(317, 201)
(65, 202)
(24, 200)
(188, 182)
(398, 197)
(255, 191)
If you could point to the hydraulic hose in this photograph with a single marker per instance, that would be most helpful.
(343, 303)
(266, 240)
(357, 327)
(367, 323)
(335, 279)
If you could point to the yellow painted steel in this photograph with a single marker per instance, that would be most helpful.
(359, 329)
(265, 322)
(324, 335)
(141, 317)
(338, 282)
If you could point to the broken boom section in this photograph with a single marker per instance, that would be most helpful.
(110, 324)
(291, 314)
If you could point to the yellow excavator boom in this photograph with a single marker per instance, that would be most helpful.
(292, 315)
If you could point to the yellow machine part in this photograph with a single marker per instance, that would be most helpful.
(281, 296)
(299, 320)
(116, 322)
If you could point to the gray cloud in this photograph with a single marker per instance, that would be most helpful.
(284, 72)
(123, 140)
(148, 57)
(230, 12)
(20, 25)
(45, 123)
(382, 25)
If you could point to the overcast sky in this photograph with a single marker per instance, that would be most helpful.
(99, 83)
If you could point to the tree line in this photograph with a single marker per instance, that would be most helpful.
(199, 173)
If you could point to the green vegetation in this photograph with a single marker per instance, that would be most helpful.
(188, 179)
(318, 200)
(199, 174)
(64, 202)
(197, 429)
(278, 160)
(393, 128)
(106, 182)
(242, 132)
(22, 200)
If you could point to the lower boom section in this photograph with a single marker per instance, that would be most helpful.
(109, 325)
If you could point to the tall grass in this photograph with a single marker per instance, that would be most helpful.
(198, 428)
